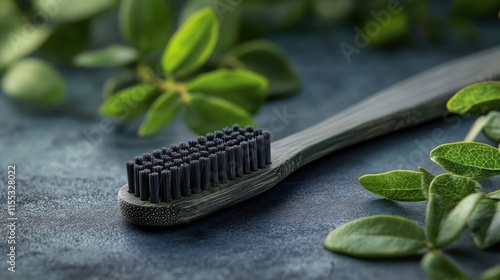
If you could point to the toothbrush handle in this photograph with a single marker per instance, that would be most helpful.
(415, 100)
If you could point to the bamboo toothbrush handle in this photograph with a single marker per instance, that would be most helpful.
(412, 101)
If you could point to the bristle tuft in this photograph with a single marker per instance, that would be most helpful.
(199, 164)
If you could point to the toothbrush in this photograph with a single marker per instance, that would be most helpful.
(178, 184)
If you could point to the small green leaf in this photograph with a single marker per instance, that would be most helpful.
(469, 159)
(119, 81)
(243, 88)
(161, 113)
(67, 40)
(114, 55)
(476, 99)
(18, 36)
(72, 10)
(377, 236)
(331, 11)
(34, 80)
(438, 267)
(445, 192)
(492, 273)
(204, 114)
(427, 178)
(229, 16)
(267, 60)
(453, 225)
(484, 223)
(403, 185)
(492, 127)
(129, 103)
(146, 24)
(192, 44)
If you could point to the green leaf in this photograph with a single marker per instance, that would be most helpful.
(130, 102)
(445, 192)
(67, 40)
(494, 195)
(377, 236)
(331, 11)
(114, 55)
(72, 10)
(476, 99)
(469, 159)
(484, 223)
(492, 127)
(204, 114)
(119, 81)
(146, 24)
(438, 267)
(229, 15)
(427, 178)
(243, 88)
(18, 36)
(403, 185)
(35, 81)
(161, 113)
(192, 44)
(492, 273)
(268, 60)
(453, 225)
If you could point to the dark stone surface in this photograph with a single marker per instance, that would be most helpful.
(70, 227)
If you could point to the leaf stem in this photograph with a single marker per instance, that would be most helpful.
(180, 88)
(489, 195)
(477, 127)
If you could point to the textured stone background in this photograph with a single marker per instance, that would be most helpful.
(70, 226)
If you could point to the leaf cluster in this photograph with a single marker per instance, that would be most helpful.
(453, 200)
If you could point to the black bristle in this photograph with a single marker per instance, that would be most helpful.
(267, 143)
(219, 134)
(157, 169)
(147, 165)
(154, 188)
(147, 156)
(254, 165)
(195, 176)
(246, 157)
(174, 148)
(186, 180)
(205, 173)
(138, 160)
(210, 137)
(137, 170)
(130, 176)
(214, 174)
(165, 186)
(231, 163)
(261, 151)
(144, 184)
(176, 182)
(239, 161)
(222, 166)
(199, 164)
